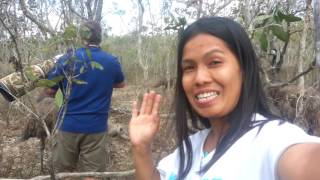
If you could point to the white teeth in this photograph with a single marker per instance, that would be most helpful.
(207, 96)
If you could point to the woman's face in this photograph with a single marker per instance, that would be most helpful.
(211, 76)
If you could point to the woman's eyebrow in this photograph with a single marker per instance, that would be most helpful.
(206, 55)
(209, 53)
(186, 61)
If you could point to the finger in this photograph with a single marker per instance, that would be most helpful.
(156, 104)
(143, 104)
(150, 102)
(134, 112)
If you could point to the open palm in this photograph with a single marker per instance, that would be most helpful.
(145, 121)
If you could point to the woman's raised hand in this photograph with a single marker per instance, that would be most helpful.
(144, 123)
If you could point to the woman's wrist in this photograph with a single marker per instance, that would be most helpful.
(141, 149)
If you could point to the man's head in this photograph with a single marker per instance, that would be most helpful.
(90, 32)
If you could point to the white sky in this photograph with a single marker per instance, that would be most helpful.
(122, 23)
(121, 15)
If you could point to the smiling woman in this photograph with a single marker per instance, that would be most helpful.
(212, 77)
(219, 87)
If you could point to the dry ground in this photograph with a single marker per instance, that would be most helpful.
(21, 159)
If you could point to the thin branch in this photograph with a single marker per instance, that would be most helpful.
(89, 11)
(14, 40)
(311, 67)
(296, 31)
(98, 10)
(34, 114)
(221, 7)
(283, 51)
(316, 16)
(29, 15)
(74, 11)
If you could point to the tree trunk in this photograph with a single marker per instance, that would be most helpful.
(303, 40)
(88, 4)
(98, 10)
(199, 13)
(316, 15)
(302, 54)
(142, 63)
(247, 13)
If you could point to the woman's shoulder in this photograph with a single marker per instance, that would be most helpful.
(277, 125)
(279, 134)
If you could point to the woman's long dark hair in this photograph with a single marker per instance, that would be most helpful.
(252, 99)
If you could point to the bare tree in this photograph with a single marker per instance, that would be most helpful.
(306, 26)
(316, 15)
(142, 61)
(42, 26)
(93, 9)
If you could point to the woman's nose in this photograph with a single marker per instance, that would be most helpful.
(202, 76)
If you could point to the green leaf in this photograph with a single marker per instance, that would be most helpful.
(262, 20)
(277, 15)
(262, 37)
(81, 69)
(89, 54)
(57, 79)
(287, 17)
(77, 60)
(45, 83)
(291, 18)
(58, 99)
(95, 64)
(280, 33)
(30, 76)
(78, 81)
(85, 32)
(66, 62)
(280, 15)
(70, 32)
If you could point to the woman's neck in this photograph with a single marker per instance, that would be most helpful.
(218, 130)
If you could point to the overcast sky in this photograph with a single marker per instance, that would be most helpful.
(121, 15)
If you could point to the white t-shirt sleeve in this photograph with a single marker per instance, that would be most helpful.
(280, 138)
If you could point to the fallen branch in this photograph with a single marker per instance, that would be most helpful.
(87, 174)
(83, 174)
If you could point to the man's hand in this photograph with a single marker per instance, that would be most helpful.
(47, 92)
(119, 85)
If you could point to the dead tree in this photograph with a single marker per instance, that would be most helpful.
(316, 15)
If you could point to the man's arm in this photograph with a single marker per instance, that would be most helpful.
(119, 85)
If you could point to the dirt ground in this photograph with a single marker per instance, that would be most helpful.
(21, 159)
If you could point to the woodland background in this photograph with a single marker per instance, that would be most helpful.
(285, 34)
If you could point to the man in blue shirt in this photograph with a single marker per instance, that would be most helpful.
(80, 141)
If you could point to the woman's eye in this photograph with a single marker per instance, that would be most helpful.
(187, 68)
(214, 62)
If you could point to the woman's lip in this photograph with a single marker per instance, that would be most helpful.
(206, 91)
(205, 103)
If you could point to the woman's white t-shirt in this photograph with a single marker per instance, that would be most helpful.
(252, 157)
